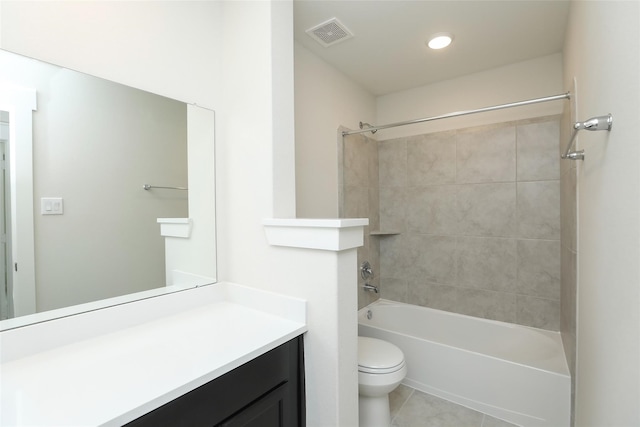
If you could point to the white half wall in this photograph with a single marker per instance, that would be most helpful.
(602, 52)
(194, 252)
(535, 78)
(252, 132)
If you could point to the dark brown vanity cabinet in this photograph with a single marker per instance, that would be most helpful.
(267, 391)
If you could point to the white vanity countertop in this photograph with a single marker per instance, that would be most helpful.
(116, 377)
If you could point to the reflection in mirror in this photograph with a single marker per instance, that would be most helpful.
(6, 309)
(94, 144)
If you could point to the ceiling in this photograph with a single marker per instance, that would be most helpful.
(388, 52)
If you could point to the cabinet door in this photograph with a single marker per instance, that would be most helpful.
(268, 411)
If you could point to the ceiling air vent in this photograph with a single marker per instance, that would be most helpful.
(330, 32)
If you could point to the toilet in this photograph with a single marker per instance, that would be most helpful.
(381, 368)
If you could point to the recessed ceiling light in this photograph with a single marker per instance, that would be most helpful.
(440, 40)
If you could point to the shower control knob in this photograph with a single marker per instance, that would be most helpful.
(366, 272)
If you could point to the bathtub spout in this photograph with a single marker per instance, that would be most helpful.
(370, 288)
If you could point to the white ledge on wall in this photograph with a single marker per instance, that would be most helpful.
(175, 227)
(325, 234)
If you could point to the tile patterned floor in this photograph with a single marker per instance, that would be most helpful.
(413, 408)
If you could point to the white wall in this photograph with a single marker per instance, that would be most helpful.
(170, 48)
(602, 51)
(325, 99)
(535, 78)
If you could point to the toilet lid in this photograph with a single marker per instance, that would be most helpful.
(378, 356)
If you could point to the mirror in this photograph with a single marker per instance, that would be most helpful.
(81, 231)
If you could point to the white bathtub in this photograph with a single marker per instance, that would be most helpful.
(511, 372)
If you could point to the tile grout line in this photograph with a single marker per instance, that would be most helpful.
(403, 404)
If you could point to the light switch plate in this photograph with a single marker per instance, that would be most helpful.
(51, 206)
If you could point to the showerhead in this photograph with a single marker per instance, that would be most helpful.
(596, 123)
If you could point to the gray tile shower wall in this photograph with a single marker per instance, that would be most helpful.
(478, 211)
(359, 195)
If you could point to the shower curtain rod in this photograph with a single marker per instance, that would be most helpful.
(460, 113)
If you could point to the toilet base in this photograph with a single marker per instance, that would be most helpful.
(374, 411)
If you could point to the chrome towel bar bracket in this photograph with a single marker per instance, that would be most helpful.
(594, 123)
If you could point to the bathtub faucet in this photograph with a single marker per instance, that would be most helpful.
(370, 288)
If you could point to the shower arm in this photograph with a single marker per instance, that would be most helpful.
(573, 155)
(594, 123)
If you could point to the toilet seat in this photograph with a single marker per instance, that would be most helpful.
(378, 357)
